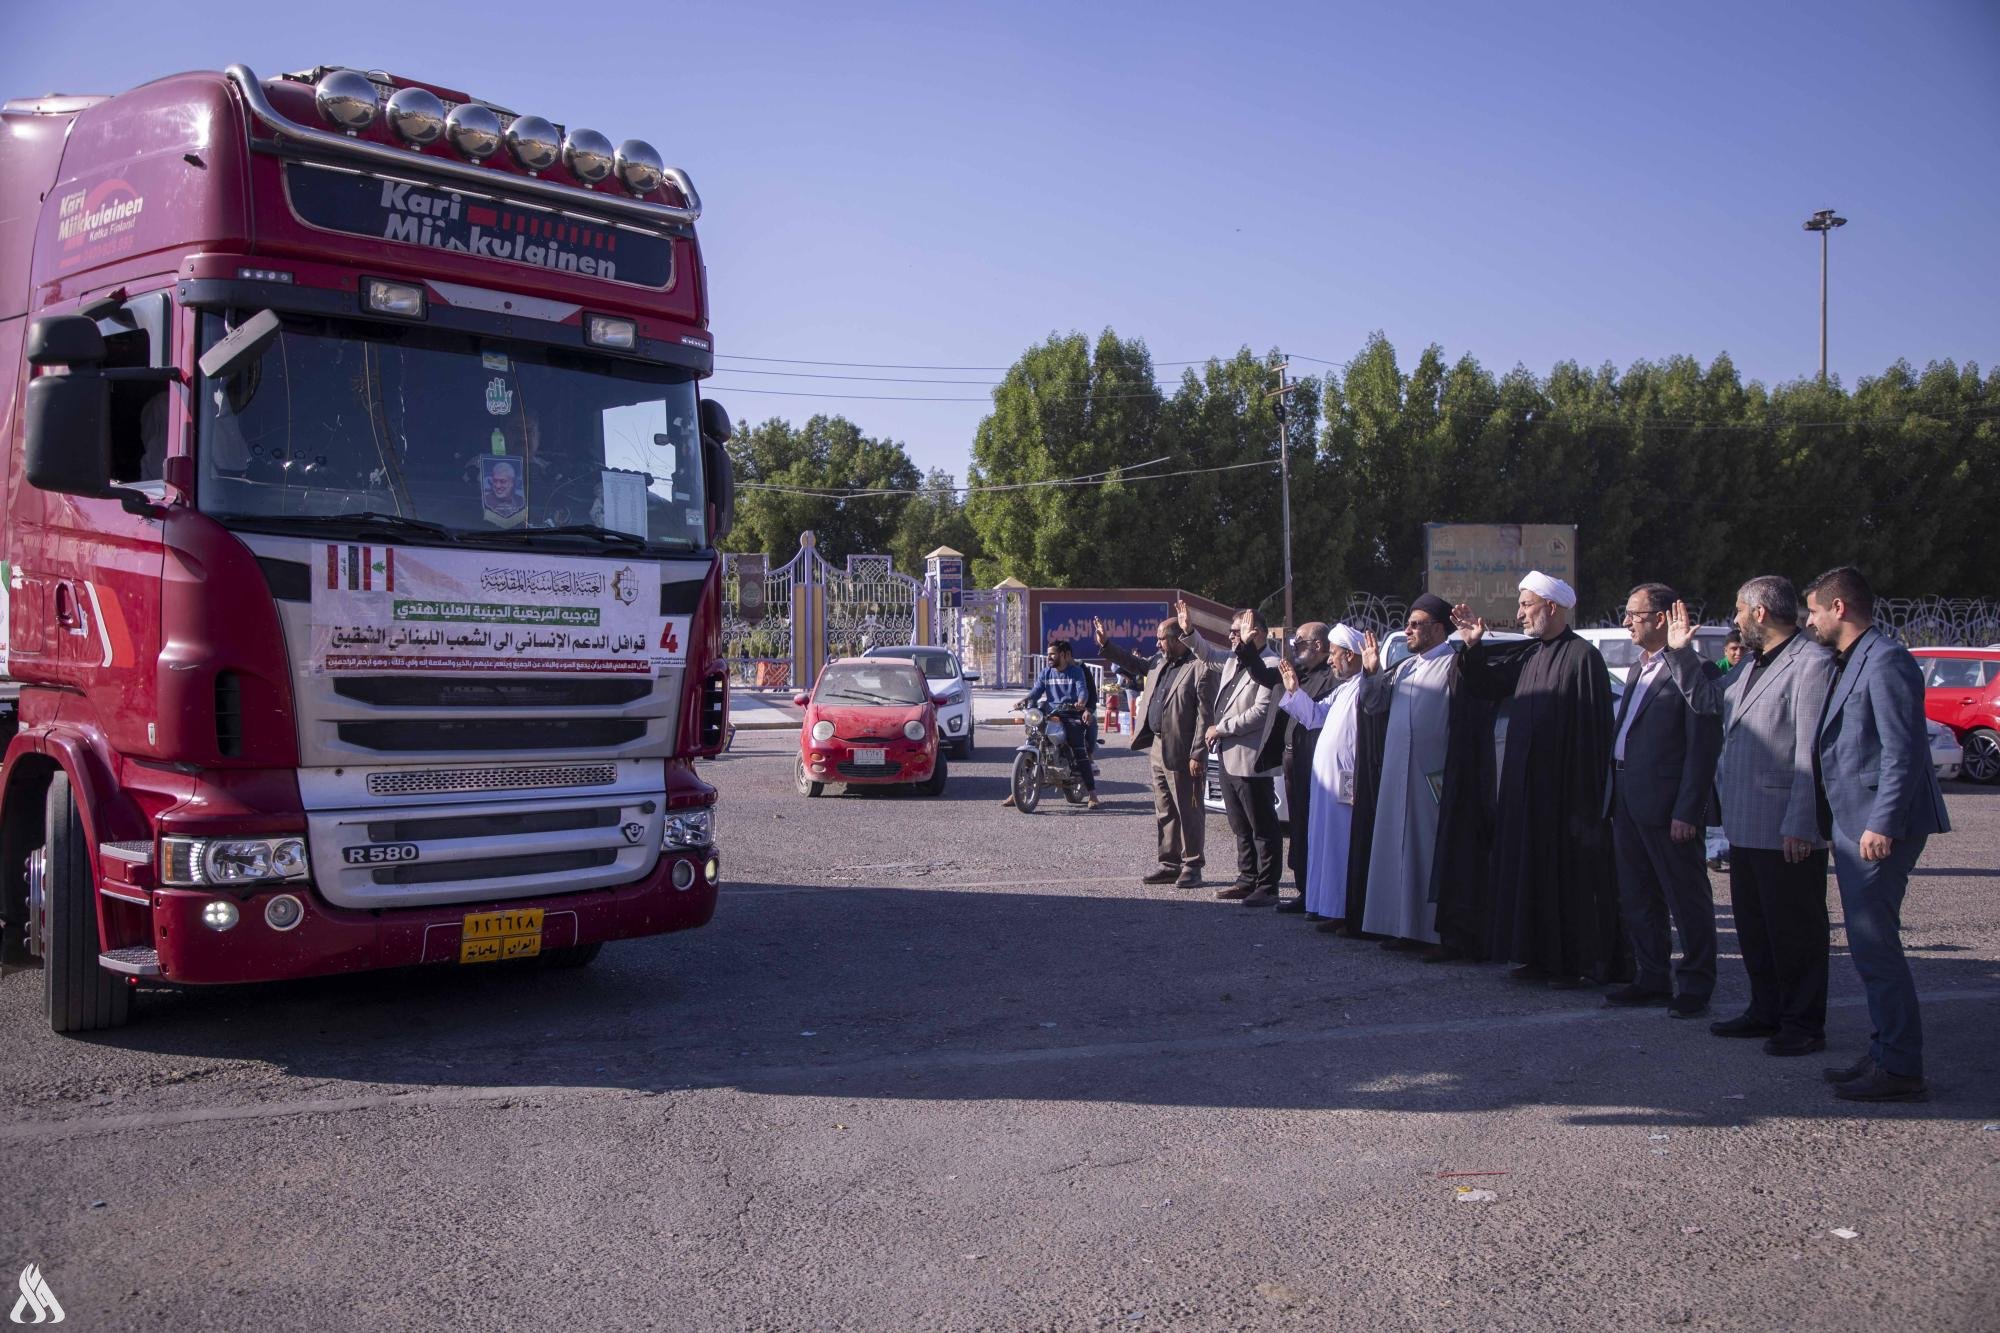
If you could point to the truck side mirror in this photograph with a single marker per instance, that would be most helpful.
(68, 444)
(720, 470)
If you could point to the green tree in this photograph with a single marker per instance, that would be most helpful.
(791, 480)
(934, 517)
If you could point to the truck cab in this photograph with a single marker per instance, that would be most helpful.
(360, 590)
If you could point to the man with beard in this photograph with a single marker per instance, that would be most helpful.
(1879, 803)
(1552, 895)
(1245, 717)
(1324, 812)
(1770, 709)
(1292, 740)
(1416, 695)
(1168, 721)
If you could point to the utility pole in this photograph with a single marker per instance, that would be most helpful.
(1285, 386)
(1823, 222)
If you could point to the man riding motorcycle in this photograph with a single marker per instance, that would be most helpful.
(1066, 692)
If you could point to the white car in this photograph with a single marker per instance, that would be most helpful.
(1620, 654)
(1946, 753)
(945, 676)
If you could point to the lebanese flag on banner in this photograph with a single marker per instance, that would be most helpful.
(361, 568)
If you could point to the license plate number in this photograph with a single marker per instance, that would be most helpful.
(877, 757)
(489, 937)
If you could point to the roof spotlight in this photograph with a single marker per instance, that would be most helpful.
(417, 116)
(347, 99)
(474, 130)
(639, 167)
(588, 155)
(534, 143)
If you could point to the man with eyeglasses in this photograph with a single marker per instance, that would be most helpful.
(1416, 695)
(1176, 702)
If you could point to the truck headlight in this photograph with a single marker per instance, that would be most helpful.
(689, 828)
(191, 861)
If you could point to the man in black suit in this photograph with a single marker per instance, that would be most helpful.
(1663, 755)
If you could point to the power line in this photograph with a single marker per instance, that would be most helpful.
(891, 365)
(1087, 479)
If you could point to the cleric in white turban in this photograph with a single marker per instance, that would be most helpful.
(1330, 813)
(1553, 904)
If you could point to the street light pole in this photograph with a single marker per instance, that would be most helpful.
(1285, 488)
(1823, 222)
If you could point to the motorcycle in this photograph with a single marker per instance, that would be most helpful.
(1044, 760)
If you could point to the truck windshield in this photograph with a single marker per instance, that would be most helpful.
(477, 437)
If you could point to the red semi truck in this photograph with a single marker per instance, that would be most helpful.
(360, 605)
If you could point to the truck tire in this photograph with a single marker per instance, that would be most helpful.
(80, 995)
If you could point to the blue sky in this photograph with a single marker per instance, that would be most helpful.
(940, 184)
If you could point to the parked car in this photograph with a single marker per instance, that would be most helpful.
(1962, 692)
(945, 676)
(870, 721)
(1947, 755)
(1620, 654)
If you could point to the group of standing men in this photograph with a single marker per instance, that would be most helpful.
(1574, 849)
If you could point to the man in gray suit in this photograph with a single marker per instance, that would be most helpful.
(1663, 754)
(1770, 709)
(1173, 711)
(1879, 803)
(1246, 715)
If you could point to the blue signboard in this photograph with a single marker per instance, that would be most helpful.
(1132, 625)
(951, 580)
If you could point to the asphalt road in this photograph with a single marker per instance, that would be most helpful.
(941, 1065)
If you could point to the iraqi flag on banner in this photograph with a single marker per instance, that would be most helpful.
(361, 568)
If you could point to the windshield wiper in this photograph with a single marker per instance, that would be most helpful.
(611, 536)
(366, 520)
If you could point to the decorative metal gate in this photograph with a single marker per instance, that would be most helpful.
(811, 610)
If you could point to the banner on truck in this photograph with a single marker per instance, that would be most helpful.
(385, 609)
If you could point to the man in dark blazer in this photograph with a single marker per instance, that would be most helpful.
(1879, 803)
(1663, 755)
(1173, 713)
(1770, 707)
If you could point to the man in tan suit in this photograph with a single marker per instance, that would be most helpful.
(1173, 713)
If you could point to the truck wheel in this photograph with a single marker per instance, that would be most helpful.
(577, 955)
(80, 995)
(806, 786)
(1027, 790)
(1982, 756)
(934, 784)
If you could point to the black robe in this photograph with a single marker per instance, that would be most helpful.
(1371, 732)
(1461, 869)
(1552, 900)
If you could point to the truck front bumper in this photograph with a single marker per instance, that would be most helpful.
(329, 939)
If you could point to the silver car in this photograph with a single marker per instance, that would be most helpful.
(945, 676)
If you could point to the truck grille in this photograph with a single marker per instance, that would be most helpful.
(546, 733)
(429, 781)
(484, 850)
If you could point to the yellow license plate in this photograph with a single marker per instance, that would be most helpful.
(489, 937)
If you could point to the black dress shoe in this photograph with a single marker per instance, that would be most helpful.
(1860, 1069)
(1567, 983)
(1879, 1085)
(1333, 925)
(1261, 898)
(1164, 875)
(1236, 892)
(1440, 953)
(1635, 996)
(1397, 945)
(1686, 1006)
(1743, 1025)
(1190, 879)
(1292, 905)
(1315, 916)
(1794, 1043)
(1527, 974)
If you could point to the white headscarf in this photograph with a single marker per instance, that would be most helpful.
(1552, 589)
(1346, 636)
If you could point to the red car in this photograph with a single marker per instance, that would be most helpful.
(870, 721)
(1962, 691)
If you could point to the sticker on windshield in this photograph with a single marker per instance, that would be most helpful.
(502, 492)
(499, 397)
(493, 360)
